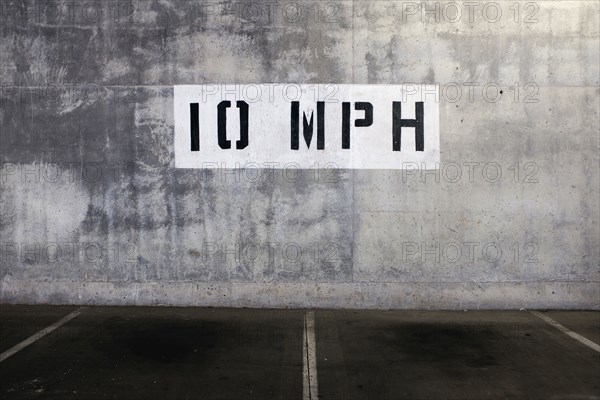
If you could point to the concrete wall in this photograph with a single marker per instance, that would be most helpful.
(94, 212)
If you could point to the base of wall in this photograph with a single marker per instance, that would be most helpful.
(416, 296)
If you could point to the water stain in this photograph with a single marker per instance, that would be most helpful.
(456, 345)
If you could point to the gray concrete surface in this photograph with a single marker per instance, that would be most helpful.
(94, 212)
(211, 353)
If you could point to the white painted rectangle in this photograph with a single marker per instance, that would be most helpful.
(269, 115)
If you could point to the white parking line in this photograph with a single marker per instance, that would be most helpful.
(310, 385)
(567, 331)
(40, 334)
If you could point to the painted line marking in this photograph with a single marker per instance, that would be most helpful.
(40, 334)
(309, 349)
(567, 331)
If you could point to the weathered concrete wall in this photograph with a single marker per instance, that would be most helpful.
(93, 210)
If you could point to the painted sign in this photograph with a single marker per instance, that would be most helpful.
(274, 125)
